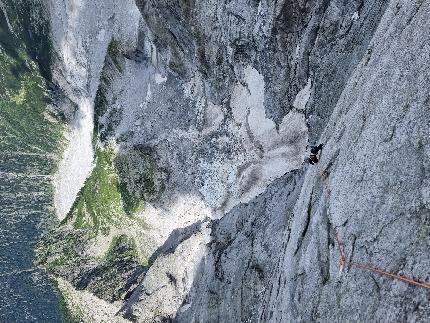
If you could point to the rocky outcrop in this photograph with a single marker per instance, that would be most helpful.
(242, 256)
(371, 188)
(214, 104)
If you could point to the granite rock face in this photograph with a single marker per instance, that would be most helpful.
(214, 104)
(371, 188)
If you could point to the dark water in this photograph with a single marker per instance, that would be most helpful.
(27, 146)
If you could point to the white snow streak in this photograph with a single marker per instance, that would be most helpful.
(77, 162)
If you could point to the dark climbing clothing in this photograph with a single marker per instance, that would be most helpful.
(313, 159)
(316, 149)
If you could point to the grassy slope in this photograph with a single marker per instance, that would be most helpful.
(103, 202)
(25, 123)
(103, 210)
(31, 136)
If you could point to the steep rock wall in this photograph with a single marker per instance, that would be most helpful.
(81, 33)
(371, 188)
(224, 97)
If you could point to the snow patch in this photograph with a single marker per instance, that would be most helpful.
(77, 162)
(159, 79)
(355, 16)
(303, 96)
(267, 154)
(101, 35)
(214, 117)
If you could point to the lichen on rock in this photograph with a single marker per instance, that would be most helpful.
(140, 176)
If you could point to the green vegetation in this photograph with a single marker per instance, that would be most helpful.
(116, 273)
(31, 135)
(68, 315)
(132, 204)
(108, 277)
(112, 61)
(121, 248)
(28, 128)
(26, 125)
(104, 202)
(99, 203)
(60, 251)
(115, 52)
(140, 174)
(99, 206)
(30, 32)
(105, 207)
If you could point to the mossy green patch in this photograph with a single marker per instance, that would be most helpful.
(67, 315)
(99, 204)
(26, 125)
(115, 52)
(29, 130)
(112, 64)
(30, 25)
(132, 204)
(140, 175)
(104, 202)
(11, 46)
(121, 248)
(117, 272)
(62, 251)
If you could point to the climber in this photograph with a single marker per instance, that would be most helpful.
(313, 159)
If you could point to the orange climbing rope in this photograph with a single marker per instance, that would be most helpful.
(344, 262)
